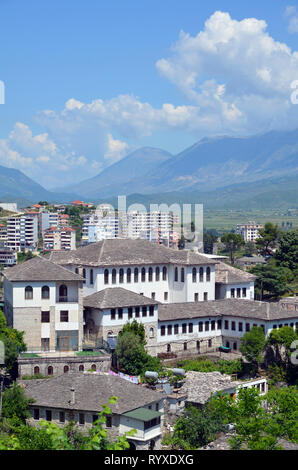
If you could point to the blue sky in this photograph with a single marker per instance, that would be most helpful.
(88, 81)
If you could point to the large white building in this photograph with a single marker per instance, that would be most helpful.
(22, 232)
(249, 231)
(59, 238)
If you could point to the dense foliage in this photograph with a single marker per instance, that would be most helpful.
(252, 345)
(204, 365)
(232, 242)
(13, 342)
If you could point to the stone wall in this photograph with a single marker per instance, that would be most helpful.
(178, 347)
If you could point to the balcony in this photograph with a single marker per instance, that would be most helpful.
(66, 299)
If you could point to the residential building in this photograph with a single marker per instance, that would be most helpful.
(7, 257)
(249, 231)
(47, 220)
(59, 238)
(45, 301)
(22, 232)
(79, 398)
(3, 234)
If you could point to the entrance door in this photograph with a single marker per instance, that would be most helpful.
(64, 343)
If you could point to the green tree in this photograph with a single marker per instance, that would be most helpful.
(268, 238)
(287, 253)
(272, 279)
(136, 328)
(281, 340)
(209, 238)
(15, 404)
(250, 249)
(233, 242)
(13, 342)
(252, 345)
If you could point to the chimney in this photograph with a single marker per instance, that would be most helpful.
(73, 396)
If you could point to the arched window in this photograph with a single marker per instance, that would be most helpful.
(62, 293)
(208, 274)
(45, 292)
(81, 368)
(150, 274)
(128, 275)
(151, 333)
(168, 348)
(201, 275)
(77, 270)
(157, 272)
(121, 276)
(194, 275)
(176, 274)
(36, 370)
(106, 276)
(84, 275)
(164, 273)
(91, 276)
(143, 275)
(28, 293)
(136, 275)
(65, 369)
(182, 274)
(50, 370)
(93, 367)
(114, 274)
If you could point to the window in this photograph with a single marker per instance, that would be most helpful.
(128, 276)
(45, 292)
(238, 293)
(235, 346)
(176, 329)
(209, 343)
(164, 273)
(150, 274)
(136, 275)
(62, 293)
(163, 330)
(151, 333)
(208, 274)
(233, 326)
(45, 317)
(205, 296)
(93, 367)
(61, 417)
(244, 292)
(206, 325)
(36, 413)
(153, 295)
(240, 326)
(143, 275)
(190, 328)
(184, 327)
(65, 369)
(121, 276)
(274, 327)
(129, 312)
(120, 313)
(108, 421)
(114, 276)
(185, 346)
(182, 275)
(157, 273)
(156, 406)
(45, 344)
(64, 315)
(151, 311)
(84, 275)
(200, 326)
(226, 324)
(48, 415)
(219, 324)
(91, 276)
(247, 327)
(81, 418)
(106, 276)
(194, 275)
(113, 314)
(94, 418)
(201, 275)
(137, 310)
(144, 311)
(28, 293)
(196, 297)
(198, 345)
(36, 370)
(213, 325)
(169, 329)
(77, 270)
(81, 368)
(165, 296)
(232, 293)
(176, 274)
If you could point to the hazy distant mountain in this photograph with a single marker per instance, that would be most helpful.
(15, 186)
(116, 178)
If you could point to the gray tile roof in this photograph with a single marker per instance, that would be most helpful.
(114, 297)
(226, 274)
(226, 307)
(91, 391)
(118, 252)
(40, 269)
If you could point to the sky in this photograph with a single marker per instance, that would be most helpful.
(86, 82)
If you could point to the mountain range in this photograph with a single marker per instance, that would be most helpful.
(221, 171)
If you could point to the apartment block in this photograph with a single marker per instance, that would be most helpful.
(22, 232)
(249, 231)
(59, 238)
